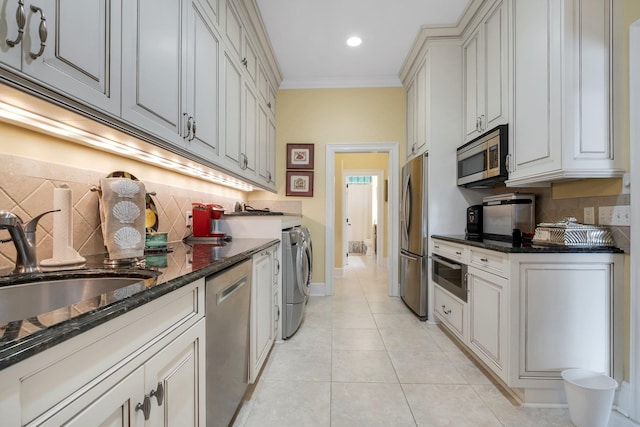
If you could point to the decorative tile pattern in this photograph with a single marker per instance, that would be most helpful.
(26, 189)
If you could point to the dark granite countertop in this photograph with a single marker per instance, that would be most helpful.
(525, 247)
(183, 264)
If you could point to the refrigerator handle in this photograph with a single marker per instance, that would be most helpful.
(412, 258)
(406, 206)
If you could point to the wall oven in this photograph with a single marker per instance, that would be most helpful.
(450, 275)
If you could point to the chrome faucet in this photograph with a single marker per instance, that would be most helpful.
(24, 239)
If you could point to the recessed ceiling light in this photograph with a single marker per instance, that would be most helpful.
(354, 41)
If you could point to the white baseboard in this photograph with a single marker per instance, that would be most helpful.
(623, 399)
(317, 289)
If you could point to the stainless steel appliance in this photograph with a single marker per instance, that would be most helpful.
(450, 275)
(413, 235)
(474, 222)
(502, 214)
(228, 297)
(297, 266)
(483, 161)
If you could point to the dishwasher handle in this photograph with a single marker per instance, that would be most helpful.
(230, 290)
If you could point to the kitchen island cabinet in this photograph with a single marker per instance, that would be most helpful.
(537, 310)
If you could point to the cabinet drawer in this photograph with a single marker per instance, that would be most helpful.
(450, 250)
(489, 261)
(450, 310)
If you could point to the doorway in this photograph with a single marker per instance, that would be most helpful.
(392, 149)
(363, 213)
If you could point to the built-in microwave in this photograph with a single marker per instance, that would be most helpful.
(483, 161)
(450, 275)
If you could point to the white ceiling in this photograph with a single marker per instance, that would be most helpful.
(309, 38)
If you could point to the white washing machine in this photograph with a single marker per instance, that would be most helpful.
(297, 264)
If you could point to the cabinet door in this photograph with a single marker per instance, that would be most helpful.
(116, 407)
(536, 135)
(261, 311)
(422, 107)
(411, 119)
(232, 111)
(488, 318)
(202, 83)
(263, 145)
(565, 318)
(473, 96)
(496, 88)
(250, 131)
(173, 381)
(153, 94)
(81, 53)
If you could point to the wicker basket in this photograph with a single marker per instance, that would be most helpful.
(568, 232)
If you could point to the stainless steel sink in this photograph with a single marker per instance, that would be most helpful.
(35, 294)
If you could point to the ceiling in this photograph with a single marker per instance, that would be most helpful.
(309, 38)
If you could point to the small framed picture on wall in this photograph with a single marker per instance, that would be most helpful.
(299, 156)
(300, 183)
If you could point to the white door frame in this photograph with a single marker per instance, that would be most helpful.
(634, 159)
(392, 149)
(379, 173)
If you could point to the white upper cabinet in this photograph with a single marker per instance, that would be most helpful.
(561, 125)
(485, 58)
(72, 47)
(417, 111)
(153, 78)
(172, 92)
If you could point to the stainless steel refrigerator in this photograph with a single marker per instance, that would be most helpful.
(413, 235)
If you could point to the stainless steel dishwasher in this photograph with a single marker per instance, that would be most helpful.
(227, 312)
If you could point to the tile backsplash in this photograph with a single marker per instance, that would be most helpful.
(549, 209)
(26, 189)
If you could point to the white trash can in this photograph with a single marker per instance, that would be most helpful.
(590, 396)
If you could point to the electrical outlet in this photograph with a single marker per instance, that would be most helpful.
(589, 215)
(188, 218)
(614, 215)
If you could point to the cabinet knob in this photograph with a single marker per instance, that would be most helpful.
(269, 105)
(158, 393)
(244, 62)
(277, 313)
(21, 21)
(277, 263)
(42, 32)
(458, 253)
(145, 407)
(445, 311)
(484, 260)
(436, 246)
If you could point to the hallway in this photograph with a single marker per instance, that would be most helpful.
(361, 358)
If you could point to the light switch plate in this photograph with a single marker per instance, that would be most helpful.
(614, 215)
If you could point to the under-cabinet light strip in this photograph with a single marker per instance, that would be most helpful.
(24, 118)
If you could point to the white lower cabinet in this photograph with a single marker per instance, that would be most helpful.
(451, 311)
(488, 328)
(262, 308)
(532, 315)
(143, 368)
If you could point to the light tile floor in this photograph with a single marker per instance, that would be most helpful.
(360, 358)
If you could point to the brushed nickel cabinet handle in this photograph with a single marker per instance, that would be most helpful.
(42, 32)
(21, 21)
(484, 260)
(193, 128)
(158, 393)
(145, 407)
